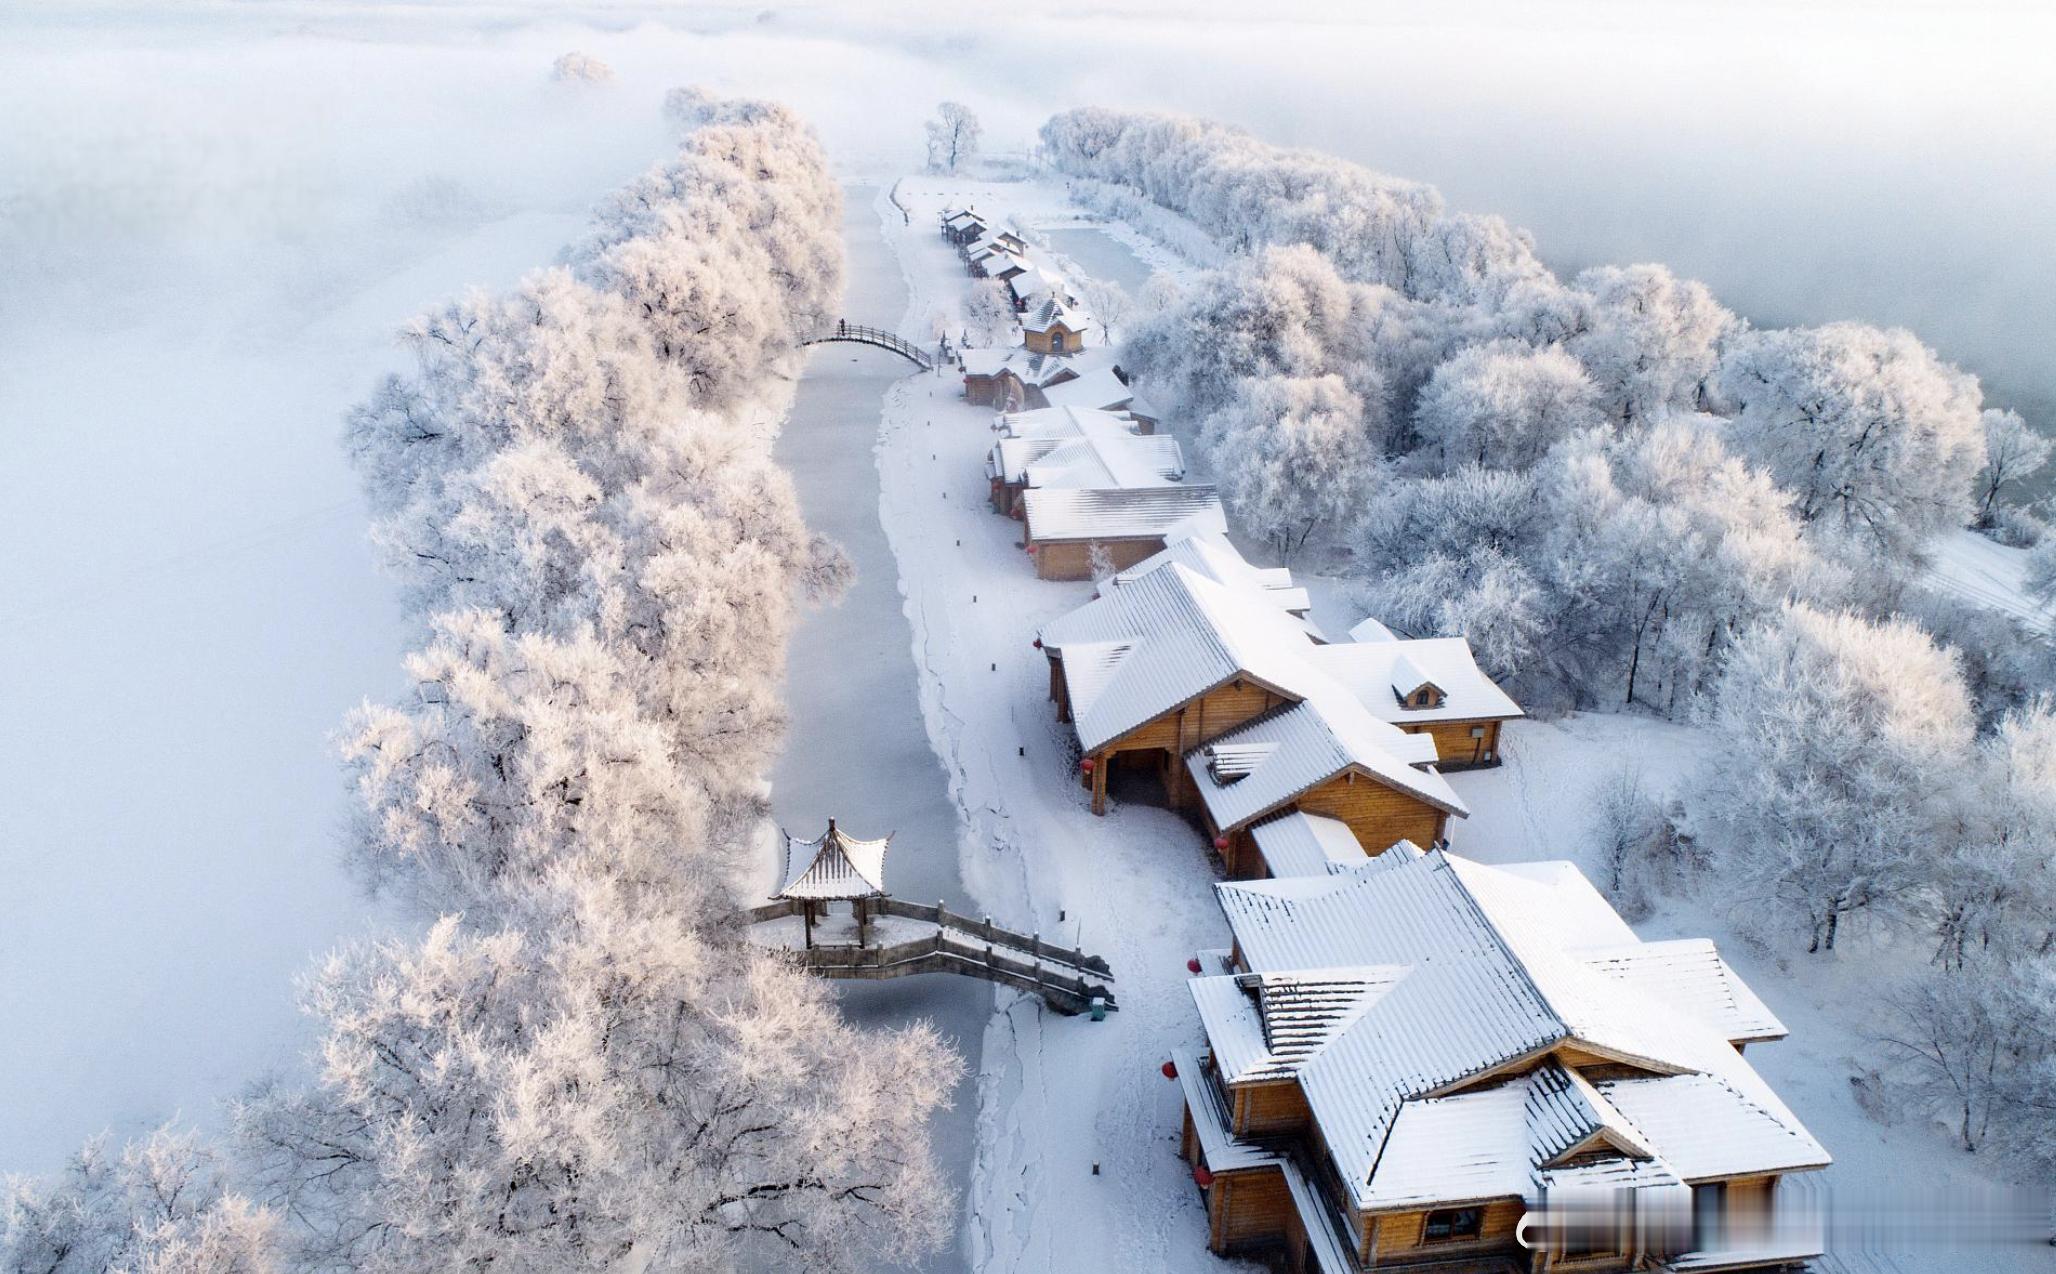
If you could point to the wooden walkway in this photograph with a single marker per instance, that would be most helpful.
(878, 338)
(1069, 981)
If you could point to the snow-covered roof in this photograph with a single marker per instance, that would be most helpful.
(1107, 453)
(1496, 976)
(1690, 972)
(983, 362)
(1098, 388)
(833, 865)
(1035, 284)
(1301, 844)
(1262, 1026)
(1371, 629)
(1140, 650)
(1305, 744)
(1057, 514)
(1211, 554)
(1379, 672)
(1061, 422)
(1053, 313)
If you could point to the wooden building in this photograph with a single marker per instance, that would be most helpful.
(1166, 662)
(1409, 1058)
(1080, 448)
(1068, 530)
(1054, 328)
(1428, 686)
(963, 226)
(1324, 755)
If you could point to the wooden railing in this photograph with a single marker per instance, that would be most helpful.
(1068, 979)
(878, 337)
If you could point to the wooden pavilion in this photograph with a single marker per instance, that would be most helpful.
(832, 868)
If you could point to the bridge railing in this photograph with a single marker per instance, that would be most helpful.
(881, 337)
(982, 929)
(987, 931)
(945, 948)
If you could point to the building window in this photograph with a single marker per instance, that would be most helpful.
(1056, 342)
(1449, 1225)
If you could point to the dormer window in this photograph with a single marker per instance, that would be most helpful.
(1230, 763)
(1426, 694)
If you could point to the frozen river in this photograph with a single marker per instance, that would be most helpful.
(857, 749)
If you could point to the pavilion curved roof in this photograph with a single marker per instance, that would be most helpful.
(833, 865)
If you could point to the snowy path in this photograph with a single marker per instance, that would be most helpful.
(856, 749)
(1078, 1132)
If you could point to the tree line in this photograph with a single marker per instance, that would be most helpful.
(579, 1061)
(1626, 496)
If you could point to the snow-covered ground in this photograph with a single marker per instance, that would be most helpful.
(1988, 573)
(1061, 1098)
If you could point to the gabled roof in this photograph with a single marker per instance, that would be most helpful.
(1099, 388)
(1210, 554)
(1378, 672)
(833, 865)
(1310, 742)
(1107, 453)
(1689, 972)
(1494, 982)
(1179, 635)
(1301, 844)
(1057, 514)
(1053, 313)
(1262, 1026)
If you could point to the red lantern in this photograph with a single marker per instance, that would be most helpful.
(1038, 643)
(1170, 1070)
(1193, 965)
(1031, 550)
(1202, 1176)
(1221, 842)
(1085, 764)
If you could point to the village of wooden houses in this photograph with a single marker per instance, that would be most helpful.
(1403, 1059)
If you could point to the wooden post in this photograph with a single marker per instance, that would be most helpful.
(863, 922)
(807, 911)
(1099, 784)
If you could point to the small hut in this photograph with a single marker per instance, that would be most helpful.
(834, 867)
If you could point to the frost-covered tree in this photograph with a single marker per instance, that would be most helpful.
(553, 360)
(1293, 454)
(1503, 406)
(1831, 735)
(1995, 887)
(952, 136)
(2012, 452)
(731, 254)
(1284, 313)
(599, 1089)
(2038, 576)
(576, 67)
(1374, 228)
(159, 1205)
(518, 757)
(989, 313)
(1963, 1041)
(1108, 302)
(1448, 555)
(1663, 547)
(1876, 437)
(1650, 340)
